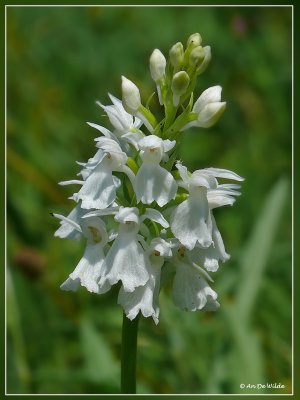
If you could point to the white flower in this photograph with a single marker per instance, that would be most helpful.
(191, 220)
(126, 127)
(191, 291)
(222, 195)
(208, 108)
(99, 189)
(153, 182)
(126, 259)
(131, 97)
(145, 298)
(89, 269)
(122, 121)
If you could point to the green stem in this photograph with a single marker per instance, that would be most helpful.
(128, 356)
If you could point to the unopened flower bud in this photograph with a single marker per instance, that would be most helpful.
(206, 60)
(180, 84)
(197, 56)
(194, 40)
(208, 108)
(131, 97)
(176, 55)
(157, 65)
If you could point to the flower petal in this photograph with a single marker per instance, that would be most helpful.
(126, 261)
(191, 223)
(66, 220)
(155, 216)
(168, 145)
(99, 190)
(70, 285)
(224, 173)
(133, 138)
(88, 271)
(209, 257)
(183, 171)
(104, 131)
(190, 290)
(67, 230)
(218, 198)
(101, 213)
(211, 305)
(71, 182)
(154, 183)
(143, 299)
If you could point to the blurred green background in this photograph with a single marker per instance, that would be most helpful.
(59, 61)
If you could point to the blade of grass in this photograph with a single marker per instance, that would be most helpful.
(248, 352)
(255, 255)
(16, 335)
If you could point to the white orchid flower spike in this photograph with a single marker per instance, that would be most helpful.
(145, 218)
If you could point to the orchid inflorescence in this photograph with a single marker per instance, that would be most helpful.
(145, 218)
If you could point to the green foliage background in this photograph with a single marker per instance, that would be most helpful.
(59, 61)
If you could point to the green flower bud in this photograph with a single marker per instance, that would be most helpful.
(197, 56)
(194, 40)
(180, 84)
(176, 55)
(206, 60)
(157, 65)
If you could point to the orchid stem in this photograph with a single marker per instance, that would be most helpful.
(128, 355)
